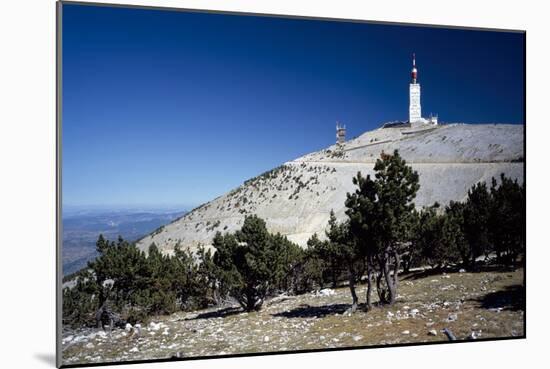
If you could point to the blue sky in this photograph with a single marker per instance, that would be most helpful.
(166, 108)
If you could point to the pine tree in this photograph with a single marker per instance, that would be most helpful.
(454, 214)
(247, 262)
(434, 238)
(343, 248)
(507, 219)
(476, 213)
(315, 264)
(381, 218)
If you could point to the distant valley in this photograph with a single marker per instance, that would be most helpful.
(82, 228)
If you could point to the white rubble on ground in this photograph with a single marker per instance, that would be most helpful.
(324, 292)
(452, 317)
(155, 326)
(296, 198)
(474, 335)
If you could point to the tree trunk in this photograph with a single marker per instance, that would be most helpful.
(251, 303)
(396, 269)
(369, 286)
(390, 281)
(242, 301)
(406, 265)
(379, 289)
(258, 304)
(333, 272)
(352, 290)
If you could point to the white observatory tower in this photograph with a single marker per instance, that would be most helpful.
(415, 110)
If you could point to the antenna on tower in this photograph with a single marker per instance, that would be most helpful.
(414, 71)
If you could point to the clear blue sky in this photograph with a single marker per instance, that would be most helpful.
(166, 108)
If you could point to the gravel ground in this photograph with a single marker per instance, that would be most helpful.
(471, 305)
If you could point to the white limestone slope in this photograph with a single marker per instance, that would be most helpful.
(295, 199)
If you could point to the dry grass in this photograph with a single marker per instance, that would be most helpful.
(490, 304)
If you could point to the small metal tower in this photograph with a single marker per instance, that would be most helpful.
(340, 133)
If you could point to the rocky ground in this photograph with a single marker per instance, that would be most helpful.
(481, 305)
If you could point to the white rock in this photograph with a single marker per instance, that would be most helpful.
(390, 314)
(326, 292)
(135, 349)
(89, 345)
(452, 317)
(108, 283)
(266, 339)
(128, 327)
(433, 332)
(474, 335)
(405, 332)
(154, 326)
(68, 339)
(462, 271)
(414, 312)
(357, 338)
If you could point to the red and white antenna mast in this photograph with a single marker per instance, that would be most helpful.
(414, 71)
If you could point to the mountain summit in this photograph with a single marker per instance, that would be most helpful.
(296, 198)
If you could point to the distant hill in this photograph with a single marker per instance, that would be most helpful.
(81, 230)
(295, 199)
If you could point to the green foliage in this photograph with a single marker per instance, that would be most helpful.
(396, 185)
(135, 285)
(314, 266)
(81, 302)
(476, 214)
(489, 221)
(324, 262)
(507, 219)
(251, 263)
(288, 257)
(454, 213)
(434, 238)
(381, 218)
